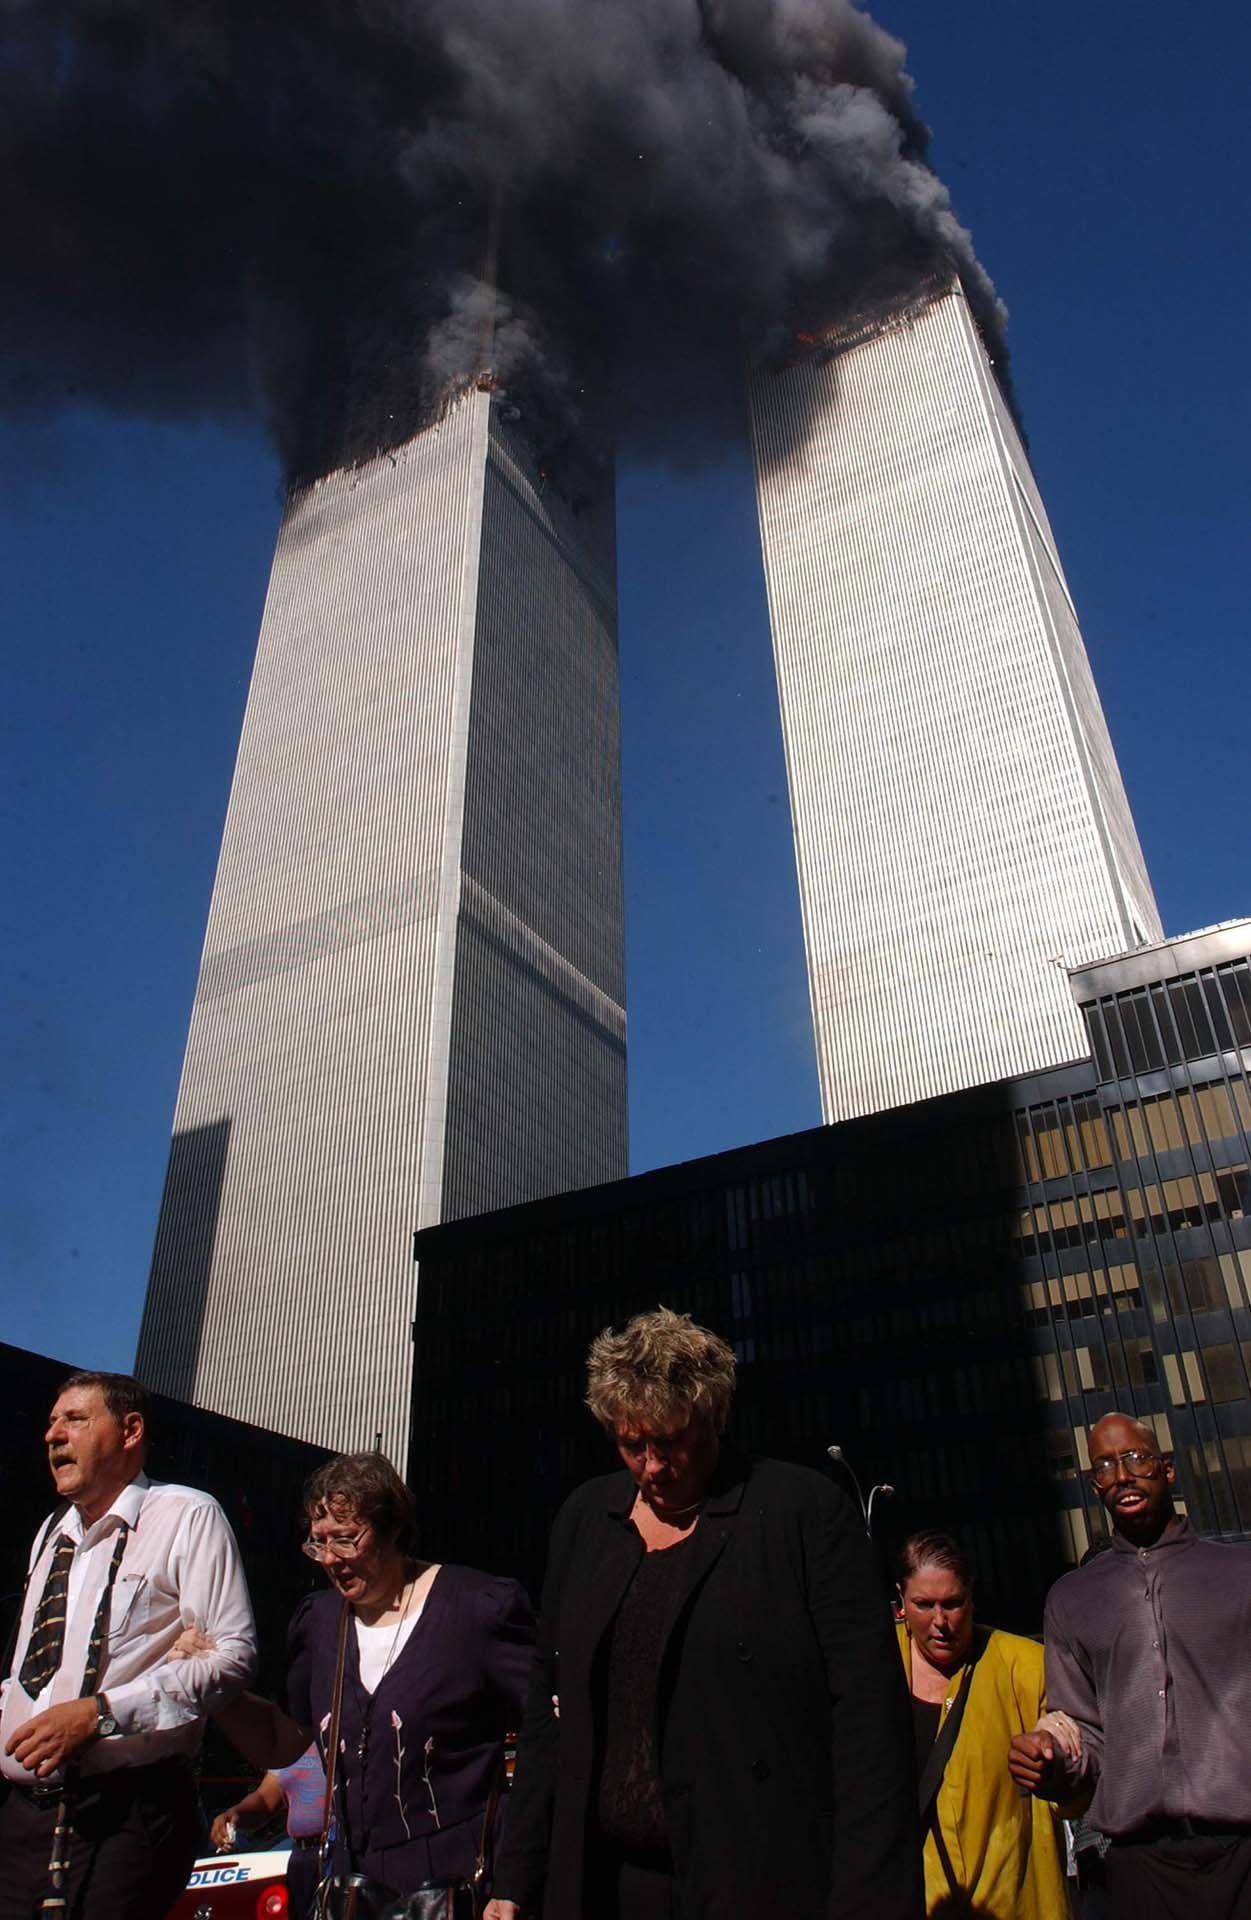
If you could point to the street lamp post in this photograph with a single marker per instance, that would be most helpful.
(880, 1487)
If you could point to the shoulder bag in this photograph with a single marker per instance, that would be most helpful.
(354, 1896)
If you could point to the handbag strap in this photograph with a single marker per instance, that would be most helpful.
(332, 1741)
(488, 1823)
(941, 1751)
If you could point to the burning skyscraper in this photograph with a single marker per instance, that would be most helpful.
(961, 829)
(410, 1003)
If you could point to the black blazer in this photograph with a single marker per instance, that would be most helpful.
(784, 1735)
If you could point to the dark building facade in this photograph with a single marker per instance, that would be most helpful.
(951, 1291)
(1170, 1032)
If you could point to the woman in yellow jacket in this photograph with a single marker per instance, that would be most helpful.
(989, 1852)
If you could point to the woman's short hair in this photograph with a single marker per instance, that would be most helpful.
(659, 1371)
(370, 1486)
(931, 1548)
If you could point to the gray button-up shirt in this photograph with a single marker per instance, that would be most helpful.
(1149, 1650)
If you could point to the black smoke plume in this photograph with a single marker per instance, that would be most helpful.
(329, 204)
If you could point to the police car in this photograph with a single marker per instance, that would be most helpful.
(245, 1886)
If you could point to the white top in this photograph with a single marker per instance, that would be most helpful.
(180, 1568)
(378, 1648)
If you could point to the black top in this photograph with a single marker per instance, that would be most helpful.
(926, 1715)
(630, 1807)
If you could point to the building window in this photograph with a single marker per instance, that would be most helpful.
(1185, 1378)
(1097, 1030)
(1213, 1111)
(1062, 1453)
(1125, 1288)
(1226, 1380)
(1236, 984)
(1196, 1286)
(1118, 1061)
(1092, 1369)
(1231, 1499)
(1190, 1014)
(1189, 1201)
(1234, 1189)
(1046, 1157)
(1216, 1010)
(1236, 1273)
(1141, 1038)
(1047, 1376)
(1092, 1131)
(1141, 1362)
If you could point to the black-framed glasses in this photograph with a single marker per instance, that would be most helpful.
(335, 1546)
(1137, 1460)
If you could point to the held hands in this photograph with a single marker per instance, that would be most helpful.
(1032, 1762)
(501, 1910)
(1036, 1759)
(44, 1744)
(1068, 1735)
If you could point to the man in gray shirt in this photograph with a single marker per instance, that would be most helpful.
(1149, 1651)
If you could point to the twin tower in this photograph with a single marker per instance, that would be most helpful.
(410, 1004)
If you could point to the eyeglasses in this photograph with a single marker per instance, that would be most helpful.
(1137, 1460)
(336, 1546)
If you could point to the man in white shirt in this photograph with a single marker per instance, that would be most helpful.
(99, 1716)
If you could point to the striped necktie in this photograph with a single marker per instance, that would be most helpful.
(54, 1904)
(47, 1633)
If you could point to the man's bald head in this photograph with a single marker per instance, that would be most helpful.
(1116, 1432)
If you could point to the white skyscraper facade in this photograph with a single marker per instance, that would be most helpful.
(961, 829)
(410, 1003)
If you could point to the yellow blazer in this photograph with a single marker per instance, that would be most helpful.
(1003, 1847)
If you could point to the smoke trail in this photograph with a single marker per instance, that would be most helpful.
(290, 198)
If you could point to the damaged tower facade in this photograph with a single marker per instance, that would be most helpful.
(961, 829)
(410, 1004)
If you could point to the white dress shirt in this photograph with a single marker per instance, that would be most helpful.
(180, 1568)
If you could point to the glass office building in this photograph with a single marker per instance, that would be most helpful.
(952, 1291)
(1170, 1031)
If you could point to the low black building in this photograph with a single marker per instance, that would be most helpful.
(953, 1292)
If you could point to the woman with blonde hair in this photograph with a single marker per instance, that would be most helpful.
(716, 1722)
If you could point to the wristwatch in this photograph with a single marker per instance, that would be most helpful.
(105, 1723)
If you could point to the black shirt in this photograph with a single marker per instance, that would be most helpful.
(630, 1809)
(926, 1715)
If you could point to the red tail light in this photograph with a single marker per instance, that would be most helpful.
(272, 1904)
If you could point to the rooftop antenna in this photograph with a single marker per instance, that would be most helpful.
(490, 281)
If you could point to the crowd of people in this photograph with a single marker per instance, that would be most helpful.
(718, 1719)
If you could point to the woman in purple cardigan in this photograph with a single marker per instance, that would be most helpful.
(435, 1674)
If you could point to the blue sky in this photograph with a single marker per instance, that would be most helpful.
(1092, 150)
